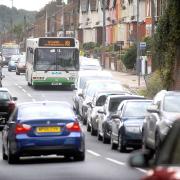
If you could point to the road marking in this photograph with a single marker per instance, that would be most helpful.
(93, 153)
(20, 87)
(16, 84)
(116, 162)
(23, 90)
(142, 170)
(29, 95)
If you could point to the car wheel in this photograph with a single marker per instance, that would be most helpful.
(99, 136)
(9, 70)
(88, 127)
(113, 145)
(121, 145)
(4, 156)
(93, 131)
(157, 142)
(17, 73)
(80, 156)
(105, 139)
(12, 158)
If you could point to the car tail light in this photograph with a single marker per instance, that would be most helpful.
(22, 128)
(73, 127)
(11, 106)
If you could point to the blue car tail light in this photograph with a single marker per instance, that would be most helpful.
(22, 128)
(73, 127)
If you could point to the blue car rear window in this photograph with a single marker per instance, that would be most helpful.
(45, 112)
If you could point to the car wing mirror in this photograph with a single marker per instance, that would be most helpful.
(14, 98)
(140, 159)
(153, 109)
(101, 111)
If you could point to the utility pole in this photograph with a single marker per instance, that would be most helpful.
(46, 28)
(138, 65)
(11, 20)
(104, 23)
(152, 17)
(62, 16)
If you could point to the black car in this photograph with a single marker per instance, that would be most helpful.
(7, 105)
(104, 120)
(127, 124)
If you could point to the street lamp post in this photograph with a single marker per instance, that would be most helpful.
(138, 69)
(62, 9)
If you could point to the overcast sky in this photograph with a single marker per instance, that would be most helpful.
(30, 5)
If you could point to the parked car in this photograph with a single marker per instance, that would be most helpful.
(80, 82)
(13, 61)
(127, 124)
(104, 120)
(91, 88)
(161, 114)
(90, 64)
(166, 164)
(7, 105)
(21, 65)
(97, 103)
(43, 128)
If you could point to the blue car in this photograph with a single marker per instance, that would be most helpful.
(43, 128)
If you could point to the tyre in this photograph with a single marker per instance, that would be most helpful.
(113, 145)
(93, 131)
(4, 156)
(12, 158)
(88, 127)
(99, 136)
(121, 145)
(105, 140)
(17, 73)
(80, 156)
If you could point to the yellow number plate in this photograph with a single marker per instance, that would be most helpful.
(48, 129)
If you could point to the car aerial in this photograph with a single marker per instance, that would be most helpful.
(90, 64)
(163, 111)
(97, 103)
(80, 82)
(91, 88)
(127, 124)
(21, 65)
(7, 105)
(13, 61)
(165, 165)
(104, 120)
(43, 128)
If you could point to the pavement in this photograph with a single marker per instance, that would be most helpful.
(129, 80)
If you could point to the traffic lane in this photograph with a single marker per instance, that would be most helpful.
(18, 86)
(55, 168)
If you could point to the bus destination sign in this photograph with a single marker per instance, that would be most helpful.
(57, 42)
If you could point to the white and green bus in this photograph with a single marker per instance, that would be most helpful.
(52, 61)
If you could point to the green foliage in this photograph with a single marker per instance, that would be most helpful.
(90, 45)
(165, 42)
(8, 15)
(129, 58)
(154, 85)
(18, 31)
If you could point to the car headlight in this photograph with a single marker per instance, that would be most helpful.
(132, 129)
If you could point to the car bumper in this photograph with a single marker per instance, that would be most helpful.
(28, 146)
(133, 139)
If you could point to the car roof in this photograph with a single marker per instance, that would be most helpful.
(94, 73)
(125, 96)
(137, 100)
(4, 89)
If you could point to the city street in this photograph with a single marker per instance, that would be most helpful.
(101, 162)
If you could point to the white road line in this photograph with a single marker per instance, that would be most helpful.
(20, 87)
(116, 162)
(16, 84)
(142, 170)
(29, 95)
(93, 153)
(23, 90)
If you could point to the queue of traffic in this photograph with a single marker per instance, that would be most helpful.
(105, 107)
